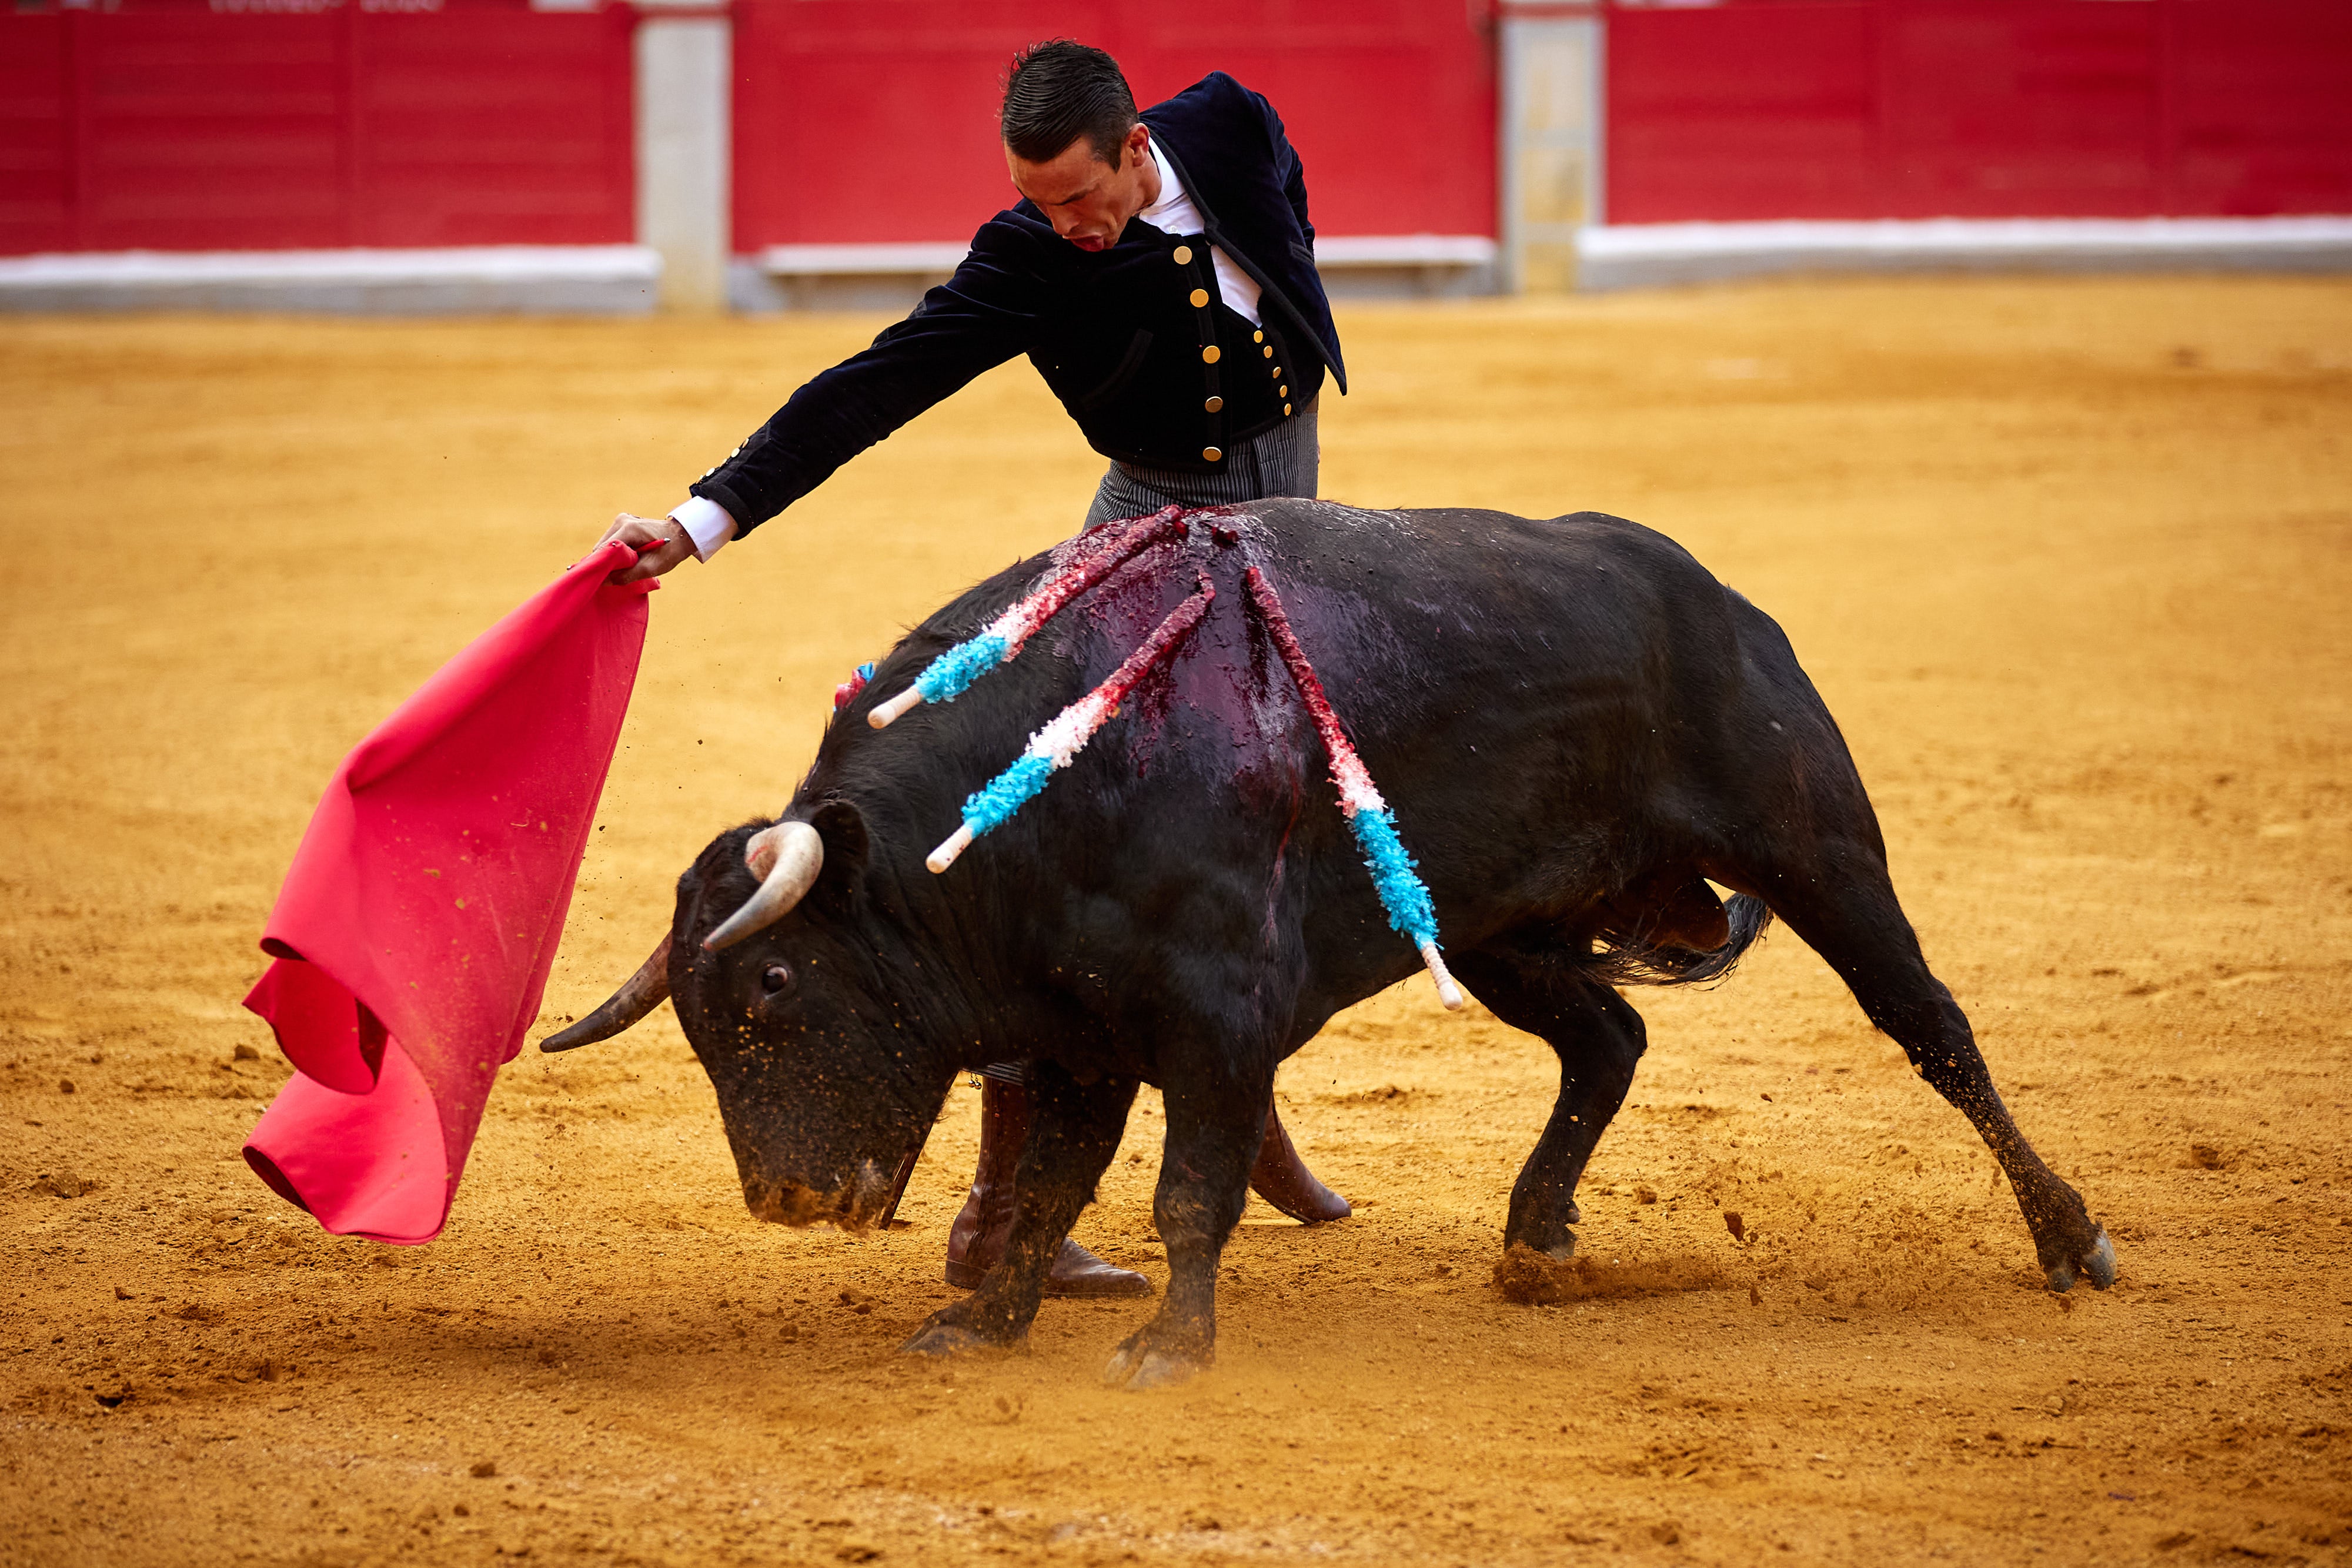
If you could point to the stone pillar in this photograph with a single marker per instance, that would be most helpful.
(1554, 115)
(684, 63)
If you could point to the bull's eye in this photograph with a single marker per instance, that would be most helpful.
(775, 979)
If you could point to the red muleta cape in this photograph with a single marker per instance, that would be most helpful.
(417, 923)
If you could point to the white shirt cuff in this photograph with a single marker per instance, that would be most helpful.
(705, 522)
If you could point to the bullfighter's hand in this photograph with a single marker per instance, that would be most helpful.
(667, 534)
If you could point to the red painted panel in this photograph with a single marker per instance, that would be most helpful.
(2021, 110)
(1389, 102)
(1747, 113)
(2262, 115)
(510, 127)
(166, 125)
(1865, 108)
(204, 131)
(36, 144)
(874, 119)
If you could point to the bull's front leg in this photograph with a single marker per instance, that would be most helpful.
(1074, 1132)
(1216, 1117)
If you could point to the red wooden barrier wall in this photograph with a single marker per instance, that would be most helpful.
(166, 125)
(179, 124)
(876, 119)
(1906, 109)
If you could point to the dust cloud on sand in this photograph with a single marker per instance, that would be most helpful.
(2068, 560)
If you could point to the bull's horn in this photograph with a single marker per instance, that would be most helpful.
(640, 994)
(786, 859)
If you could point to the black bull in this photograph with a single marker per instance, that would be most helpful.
(1578, 729)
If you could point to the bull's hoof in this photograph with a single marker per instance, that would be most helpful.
(941, 1341)
(1558, 1243)
(1140, 1364)
(2095, 1263)
(1137, 1370)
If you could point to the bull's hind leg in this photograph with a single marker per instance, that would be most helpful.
(1536, 986)
(1074, 1132)
(1843, 905)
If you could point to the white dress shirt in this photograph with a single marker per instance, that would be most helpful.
(1174, 214)
(707, 523)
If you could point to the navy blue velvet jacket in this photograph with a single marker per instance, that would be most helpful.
(1150, 377)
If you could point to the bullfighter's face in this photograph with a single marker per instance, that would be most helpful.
(822, 1093)
(1087, 198)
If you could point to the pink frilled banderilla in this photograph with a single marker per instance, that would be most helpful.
(1055, 745)
(952, 672)
(1401, 892)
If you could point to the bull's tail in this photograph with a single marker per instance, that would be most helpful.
(1627, 961)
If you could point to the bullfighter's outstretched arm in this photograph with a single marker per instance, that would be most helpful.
(981, 317)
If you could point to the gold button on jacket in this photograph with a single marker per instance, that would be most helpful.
(1210, 454)
(1200, 297)
(1211, 355)
(1267, 350)
(1181, 255)
(1213, 404)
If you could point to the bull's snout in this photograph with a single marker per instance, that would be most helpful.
(856, 1205)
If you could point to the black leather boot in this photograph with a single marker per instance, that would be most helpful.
(976, 1241)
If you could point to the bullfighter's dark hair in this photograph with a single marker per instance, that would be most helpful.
(1059, 90)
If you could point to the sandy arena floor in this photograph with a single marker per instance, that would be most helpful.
(2069, 560)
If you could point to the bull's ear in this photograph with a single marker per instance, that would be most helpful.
(842, 826)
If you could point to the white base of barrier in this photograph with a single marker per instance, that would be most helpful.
(505, 279)
(1633, 256)
(625, 279)
(893, 276)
